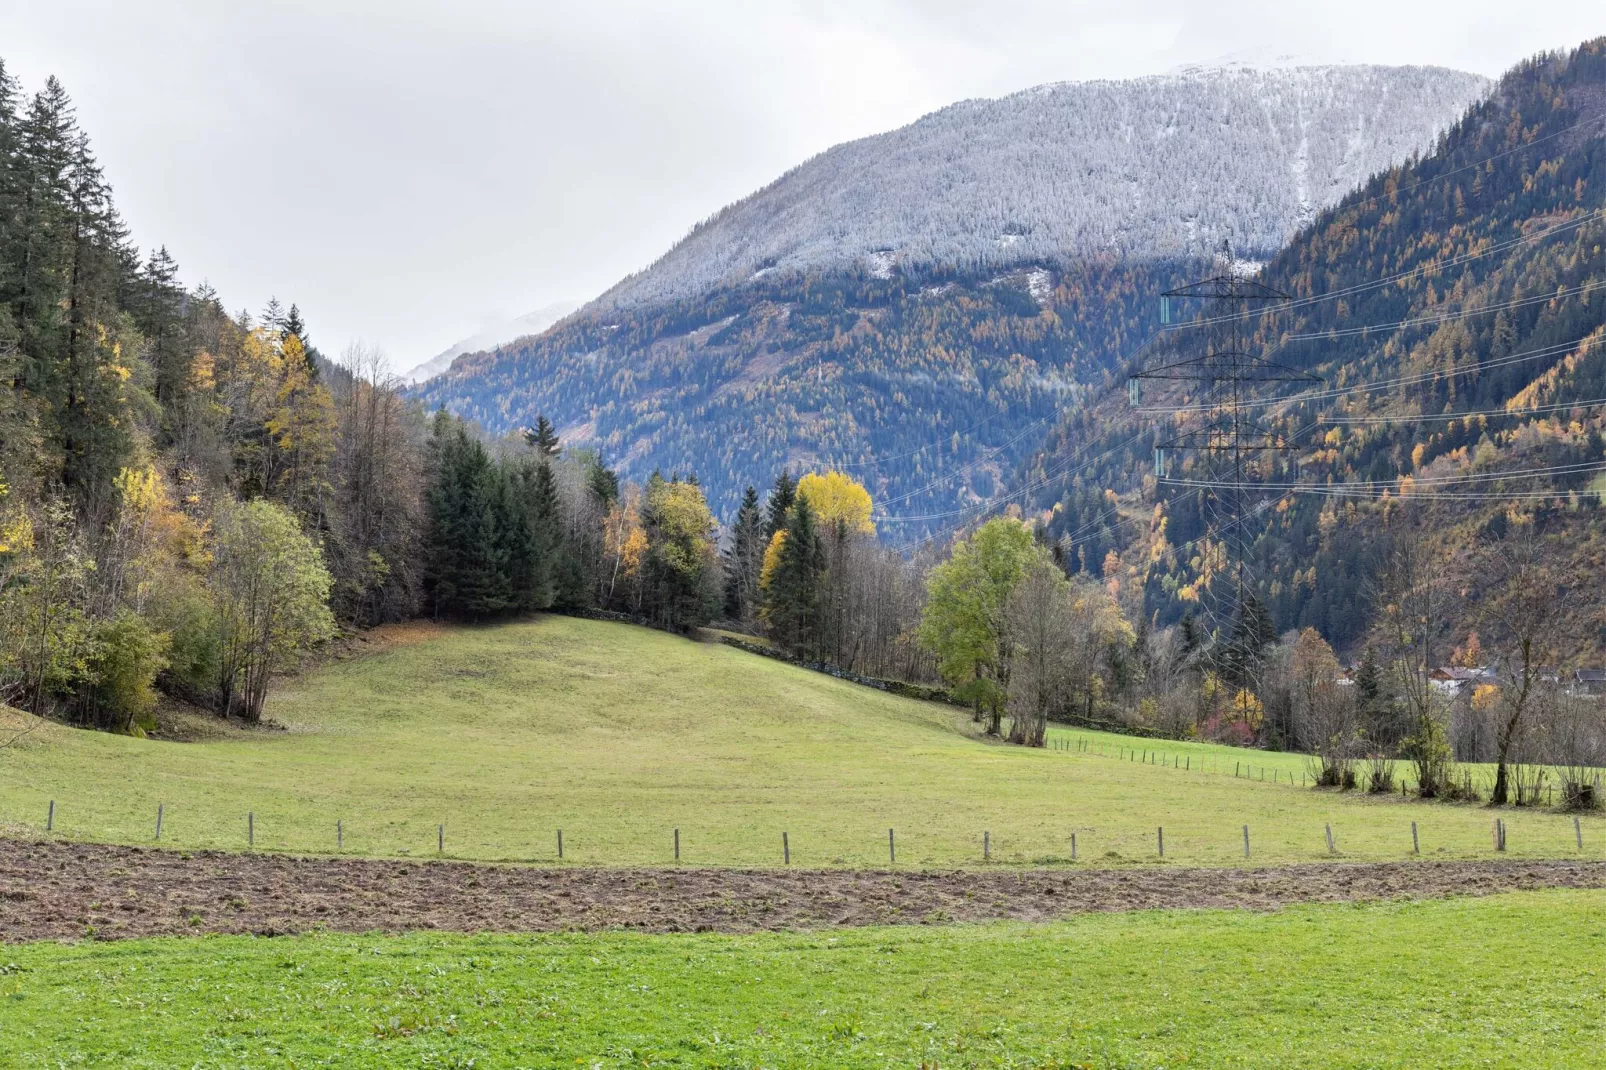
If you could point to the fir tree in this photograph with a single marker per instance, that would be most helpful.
(779, 505)
(543, 438)
(792, 599)
(743, 559)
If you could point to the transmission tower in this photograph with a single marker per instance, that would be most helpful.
(1219, 382)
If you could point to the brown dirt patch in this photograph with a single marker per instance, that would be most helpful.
(51, 890)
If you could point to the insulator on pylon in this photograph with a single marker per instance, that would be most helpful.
(1165, 310)
(1159, 462)
(1132, 391)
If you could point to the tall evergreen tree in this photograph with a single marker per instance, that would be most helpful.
(792, 598)
(779, 504)
(744, 558)
(543, 437)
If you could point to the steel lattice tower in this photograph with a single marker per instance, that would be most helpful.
(1215, 419)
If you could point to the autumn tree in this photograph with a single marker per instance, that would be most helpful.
(271, 592)
(680, 569)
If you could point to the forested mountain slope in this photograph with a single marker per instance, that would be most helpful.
(922, 304)
(1455, 309)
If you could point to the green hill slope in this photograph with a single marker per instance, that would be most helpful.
(619, 735)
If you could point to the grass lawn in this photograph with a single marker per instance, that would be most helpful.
(1508, 981)
(618, 735)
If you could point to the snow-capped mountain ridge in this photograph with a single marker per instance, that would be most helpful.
(1162, 166)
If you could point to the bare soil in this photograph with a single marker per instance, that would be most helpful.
(54, 891)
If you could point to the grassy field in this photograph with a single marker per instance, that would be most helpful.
(1508, 981)
(619, 735)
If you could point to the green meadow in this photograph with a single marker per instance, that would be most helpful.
(1509, 981)
(491, 739)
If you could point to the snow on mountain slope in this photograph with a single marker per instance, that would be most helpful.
(1153, 167)
(492, 336)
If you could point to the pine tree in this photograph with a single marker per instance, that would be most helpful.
(543, 438)
(743, 559)
(792, 599)
(779, 504)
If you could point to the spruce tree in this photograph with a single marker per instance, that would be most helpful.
(743, 558)
(543, 438)
(792, 601)
(780, 504)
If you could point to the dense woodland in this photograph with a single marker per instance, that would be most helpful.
(195, 499)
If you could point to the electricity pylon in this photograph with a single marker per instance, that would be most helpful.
(1215, 421)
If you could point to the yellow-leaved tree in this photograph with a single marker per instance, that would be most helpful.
(839, 501)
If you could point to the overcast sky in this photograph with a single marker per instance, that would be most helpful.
(409, 170)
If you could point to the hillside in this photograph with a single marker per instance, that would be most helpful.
(491, 336)
(921, 303)
(618, 735)
(1454, 310)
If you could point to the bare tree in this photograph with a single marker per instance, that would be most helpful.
(1040, 620)
(1326, 718)
(1572, 727)
(1410, 599)
(1523, 615)
(378, 478)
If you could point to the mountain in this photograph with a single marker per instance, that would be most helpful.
(1159, 167)
(491, 336)
(919, 306)
(1454, 310)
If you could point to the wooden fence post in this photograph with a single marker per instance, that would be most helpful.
(1159, 835)
(50, 819)
(786, 850)
(440, 839)
(1416, 845)
(1246, 841)
(1578, 832)
(340, 835)
(677, 845)
(892, 848)
(560, 845)
(158, 821)
(1330, 848)
(250, 828)
(1073, 847)
(986, 846)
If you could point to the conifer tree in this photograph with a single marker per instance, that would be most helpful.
(543, 438)
(792, 596)
(743, 558)
(779, 504)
